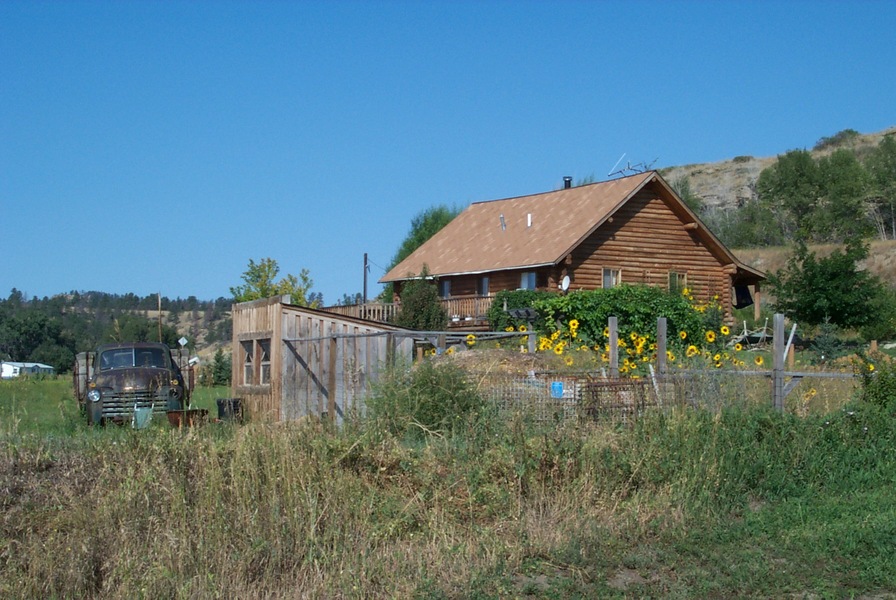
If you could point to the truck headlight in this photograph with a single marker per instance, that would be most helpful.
(94, 395)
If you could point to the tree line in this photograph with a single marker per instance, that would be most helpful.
(52, 330)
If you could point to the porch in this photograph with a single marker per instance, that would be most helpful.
(464, 312)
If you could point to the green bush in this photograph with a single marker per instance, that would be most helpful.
(426, 398)
(878, 380)
(637, 308)
(500, 320)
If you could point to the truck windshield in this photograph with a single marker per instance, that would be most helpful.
(132, 357)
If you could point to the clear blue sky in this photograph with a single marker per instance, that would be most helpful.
(158, 146)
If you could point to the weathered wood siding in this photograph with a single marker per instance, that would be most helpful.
(257, 320)
(322, 364)
(330, 362)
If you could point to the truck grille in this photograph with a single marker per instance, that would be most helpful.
(121, 404)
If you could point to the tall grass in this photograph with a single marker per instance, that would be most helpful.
(684, 503)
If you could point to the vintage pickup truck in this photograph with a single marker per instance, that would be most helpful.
(116, 380)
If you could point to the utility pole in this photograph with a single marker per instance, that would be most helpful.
(364, 296)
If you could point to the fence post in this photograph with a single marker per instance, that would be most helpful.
(531, 337)
(778, 362)
(612, 325)
(661, 345)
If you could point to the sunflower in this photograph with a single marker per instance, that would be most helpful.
(568, 360)
(870, 367)
(633, 336)
(683, 335)
(724, 329)
(758, 360)
(574, 324)
(558, 349)
(710, 336)
(509, 328)
(738, 347)
(670, 356)
(692, 351)
(450, 350)
(522, 329)
(717, 357)
(606, 332)
(555, 335)
(471, 339)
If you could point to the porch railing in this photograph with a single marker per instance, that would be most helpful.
(460, 309)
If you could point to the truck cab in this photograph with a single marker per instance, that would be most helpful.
(116, 379)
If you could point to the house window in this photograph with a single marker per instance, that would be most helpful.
(248, 363)
(483, 286)
(611, 278)
(264, 360)
(444, 288)
(527, 280)
(677, 282)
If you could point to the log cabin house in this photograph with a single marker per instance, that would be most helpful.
(633, 230)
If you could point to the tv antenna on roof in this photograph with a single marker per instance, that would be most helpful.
(631, 169)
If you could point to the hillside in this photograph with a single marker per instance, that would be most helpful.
(881, 261)
(728, 184)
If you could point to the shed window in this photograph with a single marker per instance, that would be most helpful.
(612, 278)
(444, 288)
(264, 359)
(248, 363)
(527, 280)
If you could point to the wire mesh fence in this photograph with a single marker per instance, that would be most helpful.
(554, 396)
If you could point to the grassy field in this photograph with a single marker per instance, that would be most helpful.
(684, 504)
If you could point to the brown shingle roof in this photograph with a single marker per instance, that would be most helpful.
(516, 233)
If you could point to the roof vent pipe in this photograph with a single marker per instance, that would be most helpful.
(567, 182)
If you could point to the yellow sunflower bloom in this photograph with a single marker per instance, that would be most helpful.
(522, 329)
(509, 328)
(606, 332)
(568, 361)
(870, 367)
(683, 335)
(758, 360)
(710, 336)
(558, 349)
(738, 347)
(471, 339)
(724, 329)
(574, 324)
(717, 357)
(670, 355)
(692, 351)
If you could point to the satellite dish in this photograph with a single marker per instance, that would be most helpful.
(564, 283)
